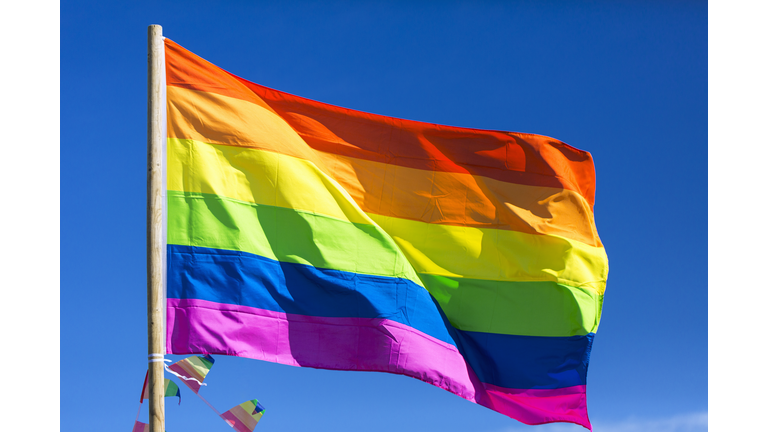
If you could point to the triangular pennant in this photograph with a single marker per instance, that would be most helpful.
(244, 417)
(192, 370)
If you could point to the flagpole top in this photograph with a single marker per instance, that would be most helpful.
(155, 29)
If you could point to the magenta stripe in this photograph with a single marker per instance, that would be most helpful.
(363, 344)
(366, 344)
(538, 406)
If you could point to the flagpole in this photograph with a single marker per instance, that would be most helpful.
(155, 322)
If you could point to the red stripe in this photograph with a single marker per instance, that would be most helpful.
(144, 394)
(506, 156)
(528, 159)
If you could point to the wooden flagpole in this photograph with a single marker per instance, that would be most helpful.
(155, 305)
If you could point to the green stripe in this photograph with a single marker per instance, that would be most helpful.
(283, 234)
(206, 364)
(288, 235)
(516, 308)
(494, 254)
(171, 389)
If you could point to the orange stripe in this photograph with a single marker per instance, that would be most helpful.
(505, 156)
(463, 199)
(192, 372)
(216, 119)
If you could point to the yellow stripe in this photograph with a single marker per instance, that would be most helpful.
(196, 367)
(258, 176)
(245, 416)
(446, 250)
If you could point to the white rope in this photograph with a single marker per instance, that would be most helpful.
(184, 377)
(155, 360)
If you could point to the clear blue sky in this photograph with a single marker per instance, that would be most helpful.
(626, 81)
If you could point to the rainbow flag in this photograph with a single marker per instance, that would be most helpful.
(244, 417)
(312, 235)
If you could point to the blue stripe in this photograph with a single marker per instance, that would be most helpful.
(526, 362)
(245, 279)
(234, 277)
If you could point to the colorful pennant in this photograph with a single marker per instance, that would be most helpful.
(244, 417)
(192, 370)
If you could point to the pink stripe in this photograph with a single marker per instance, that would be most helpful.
(235, 422)
(140, 427)
(363, 344)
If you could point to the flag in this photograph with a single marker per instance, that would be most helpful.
(244, 417)
(193, 370)
(171, 389)
(312, 235)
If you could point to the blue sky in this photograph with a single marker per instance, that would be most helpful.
(626, 81)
